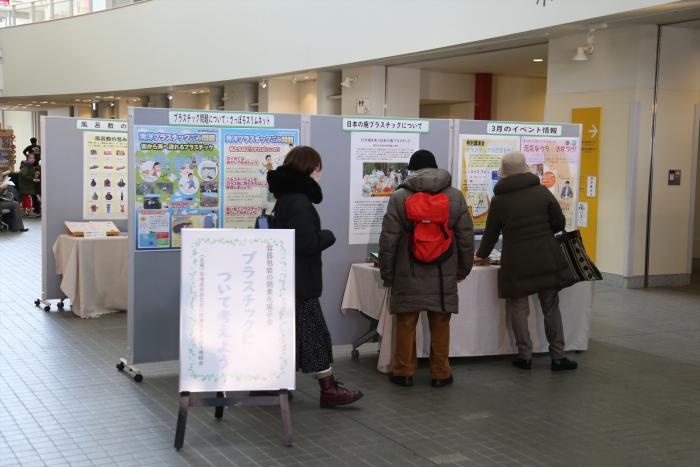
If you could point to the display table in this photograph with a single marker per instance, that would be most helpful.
(95, 273)
(481, 327)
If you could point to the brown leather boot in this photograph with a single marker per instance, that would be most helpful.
(333, 394)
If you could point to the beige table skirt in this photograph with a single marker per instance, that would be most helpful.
(95, 273)
(481, 327)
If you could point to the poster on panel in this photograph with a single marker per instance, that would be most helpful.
(105, 175)
(380, 149)
(237, 325)
(248, 155)
(177, 178)
(480, 157)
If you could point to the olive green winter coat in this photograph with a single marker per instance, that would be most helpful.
(416, 286)
(528, 215)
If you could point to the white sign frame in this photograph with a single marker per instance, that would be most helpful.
(237, 310)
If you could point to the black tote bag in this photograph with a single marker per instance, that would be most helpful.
(581, 266)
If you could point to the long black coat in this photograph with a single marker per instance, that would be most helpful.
(296, 195)
(529, 216)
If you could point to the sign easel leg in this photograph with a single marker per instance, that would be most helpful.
(219, 410)
(286, 417)
(182, 420)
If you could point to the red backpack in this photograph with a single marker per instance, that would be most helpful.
(430, 238)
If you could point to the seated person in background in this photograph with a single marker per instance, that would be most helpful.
(8, 201)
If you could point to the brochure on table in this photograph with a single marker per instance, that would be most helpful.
(237, 328)
(550, 156)
(380, 149)
(105, 169)
(203, 176)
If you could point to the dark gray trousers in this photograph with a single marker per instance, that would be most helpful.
(519, 310)
(14, 219)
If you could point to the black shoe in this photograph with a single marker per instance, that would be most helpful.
(405, 381)
(563, 364)
(441, 383)
(522, 363)
(20, 230)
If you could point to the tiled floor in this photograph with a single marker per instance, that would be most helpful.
(634, 401)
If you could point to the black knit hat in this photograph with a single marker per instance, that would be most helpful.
(422, 159)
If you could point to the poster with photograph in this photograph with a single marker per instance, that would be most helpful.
(249, 154)
(153, 229)
(556, 162)
(178, 172)
(480, 160)
(105, 175)
(377, 167)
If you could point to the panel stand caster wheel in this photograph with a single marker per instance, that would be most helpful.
(37, 303)
(131, 370)
(60, 306)
(47, 308)
(355, 354)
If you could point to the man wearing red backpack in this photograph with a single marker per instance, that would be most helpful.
(425, 248)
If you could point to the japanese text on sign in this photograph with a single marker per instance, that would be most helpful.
(108, 125)
(385, 124)
(179, 117)
(522, 129)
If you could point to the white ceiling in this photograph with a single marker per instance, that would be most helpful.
(511, 62)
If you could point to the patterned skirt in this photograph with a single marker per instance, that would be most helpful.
(314, 351)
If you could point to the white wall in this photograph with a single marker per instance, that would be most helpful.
(150, 52)
(58, 112)
(370, 86)
(240, 96)
(679, 93)
(464, 111)
(306, 91)
(328, 84)
(517, 98)
(403, 92)
(620, 73)
(448, 87)
(21, 123)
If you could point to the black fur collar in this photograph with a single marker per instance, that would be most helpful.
(286, 180)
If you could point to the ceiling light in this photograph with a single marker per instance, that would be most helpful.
(111, 104)
(170, 97)
(263, 83)
(348, 81)
(538, 60)
(306, 77)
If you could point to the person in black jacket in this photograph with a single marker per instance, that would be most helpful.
(528, 215)
(295, 185)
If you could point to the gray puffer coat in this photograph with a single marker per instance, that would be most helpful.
(416, 286)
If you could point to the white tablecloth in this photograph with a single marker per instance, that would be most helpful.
(481, 326)
(95, 273)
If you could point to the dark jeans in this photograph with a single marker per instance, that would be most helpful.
(13, 218)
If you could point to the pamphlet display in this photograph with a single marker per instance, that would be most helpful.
(105, 175)
(379, 153)
(553, 158)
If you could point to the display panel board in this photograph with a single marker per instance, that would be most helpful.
(552, 151)
(66, 182)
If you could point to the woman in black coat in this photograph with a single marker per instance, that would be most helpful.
(295, 185)
(532, 262)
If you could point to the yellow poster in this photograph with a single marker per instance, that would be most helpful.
(480, 159)
(589, 118)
